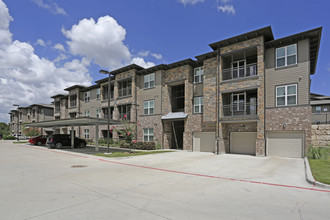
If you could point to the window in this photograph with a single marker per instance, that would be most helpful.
(57, 107)
(325, 109)
(98, 113)
(148, 134)
(286, 56)
(98, 93)
(318, 109)
(105, 112)
(125, 88)
(286, 95)
(149, 80)
(105, 91)
(86, 133)
(149, 107)
(238, 102)
(73, 115)
(87, 96)
(73, 101)
(198, 74)
(198, 105)
(125, 112)
(86, 113)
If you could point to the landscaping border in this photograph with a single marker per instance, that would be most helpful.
(310, 178)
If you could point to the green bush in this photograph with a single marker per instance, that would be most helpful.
(158, 146)
(9, 137)
(143, 145)
(317, 153)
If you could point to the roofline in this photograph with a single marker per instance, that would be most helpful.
(57, 96)
(74, 86)
(90, 87)
(120, 70)
(265, 31)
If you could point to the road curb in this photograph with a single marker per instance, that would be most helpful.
(309, 176)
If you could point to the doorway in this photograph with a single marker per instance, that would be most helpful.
(177, 134)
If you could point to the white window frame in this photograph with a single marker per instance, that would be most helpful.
(199, 73)
(199, 104)
(87, 96)
(286, 56)
(286, 95)
(318, 109)
(98, 93)
(148, 134)
(148, 106)
(87, 113)
(149, 81)
(98, 112)
(86, 133)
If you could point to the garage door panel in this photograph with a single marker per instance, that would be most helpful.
(285, 144)
(243, 142)
(204, 142)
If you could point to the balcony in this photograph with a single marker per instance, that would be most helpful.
(240, 71)
(240, 110)
(240, 65)
(320, 118)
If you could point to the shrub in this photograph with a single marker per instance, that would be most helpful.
(9, 137)
(144, 145)
(158, 146)
(316, 153)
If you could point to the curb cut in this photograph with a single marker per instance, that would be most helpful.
(309, 176)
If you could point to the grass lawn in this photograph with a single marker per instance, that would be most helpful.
(20, 142)
(321, 167)
(320, 170)
(130, 154)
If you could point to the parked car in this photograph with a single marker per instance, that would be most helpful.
(38, 140)
(60, 140)
(20, 136)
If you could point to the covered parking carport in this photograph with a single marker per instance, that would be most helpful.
(72, 122)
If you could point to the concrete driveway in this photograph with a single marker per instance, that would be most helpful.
(38, 183)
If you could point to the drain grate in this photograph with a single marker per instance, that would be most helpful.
(78, 166)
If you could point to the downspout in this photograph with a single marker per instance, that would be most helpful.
(136, 106)
(217, 101)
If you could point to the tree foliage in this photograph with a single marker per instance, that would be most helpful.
(4, 128)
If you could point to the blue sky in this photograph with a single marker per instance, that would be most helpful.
(48, 45)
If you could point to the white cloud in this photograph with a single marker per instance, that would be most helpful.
(100, 42)
(192, 2)
(51, 6)
(229, 9)
(41, 43)
(60, 57)
(157, 56)
(59, 47)
(26, 78)
(144, 53)
(141, 62)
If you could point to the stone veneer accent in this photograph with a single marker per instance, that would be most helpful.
(297, 118)
(258, 83)
(320, 135)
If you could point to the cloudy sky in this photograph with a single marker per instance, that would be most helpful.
(48, 45)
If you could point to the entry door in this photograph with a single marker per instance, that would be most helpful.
(243, 143)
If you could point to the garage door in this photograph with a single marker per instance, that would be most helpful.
(285, 144)
(243, 142)
(204, 141)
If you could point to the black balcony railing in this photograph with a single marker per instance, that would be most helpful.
(241, 109)
(320, 118)
(239, 72)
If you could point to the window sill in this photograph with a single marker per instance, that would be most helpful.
(149, 88)
(124, 97)
(285, 67)
(196, 83)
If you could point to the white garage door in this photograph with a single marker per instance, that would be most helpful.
(285, 144)
(243, 142)
(204, 142)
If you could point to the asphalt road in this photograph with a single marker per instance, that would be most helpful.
(39, 183)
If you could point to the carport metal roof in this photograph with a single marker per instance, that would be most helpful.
(84, 121)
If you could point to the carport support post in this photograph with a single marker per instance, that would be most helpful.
(72, 136)
(96, 137)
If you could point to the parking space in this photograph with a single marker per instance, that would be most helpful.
(49, 184)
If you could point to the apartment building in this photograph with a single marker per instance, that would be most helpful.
(249, 95)
(31, 114)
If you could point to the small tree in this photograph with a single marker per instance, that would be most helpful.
(31, 131)
(4, 129)
(128, 132)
